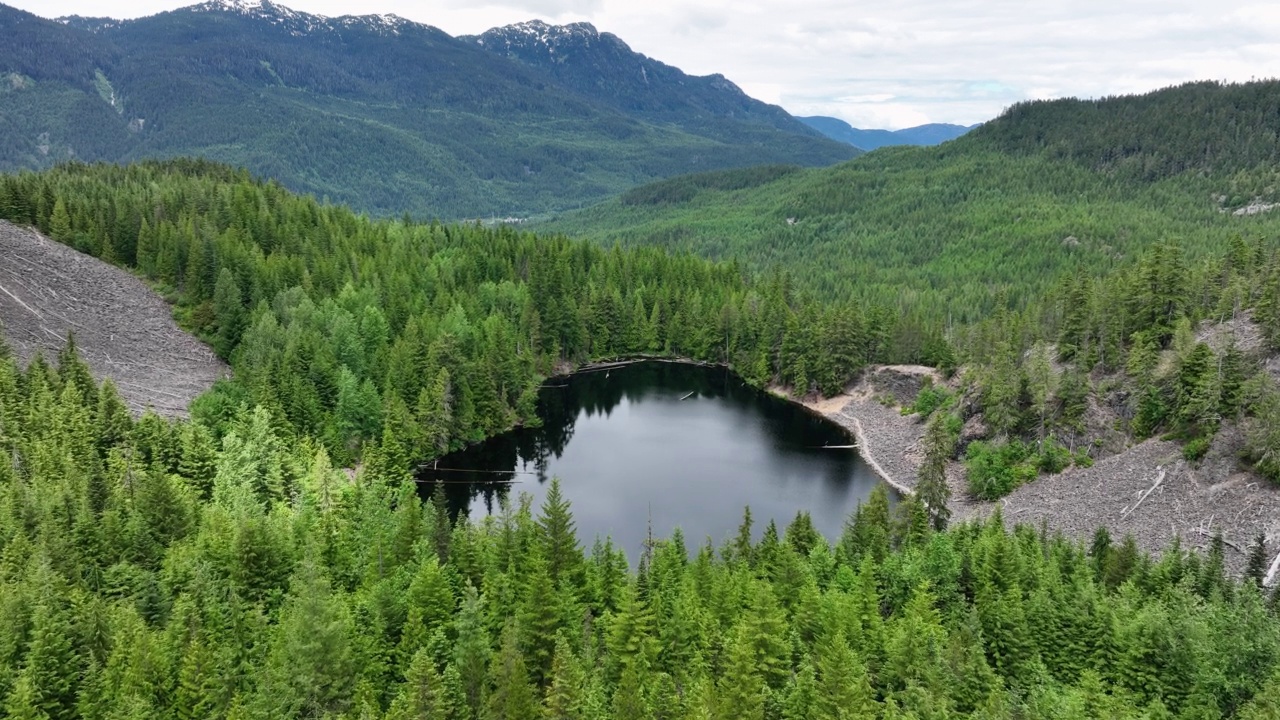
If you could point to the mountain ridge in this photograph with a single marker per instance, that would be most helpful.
(871, 138)
(382, 113)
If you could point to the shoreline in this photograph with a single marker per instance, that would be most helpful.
(832, 409)
(864, 451)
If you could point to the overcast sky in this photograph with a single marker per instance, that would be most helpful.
(891, 63)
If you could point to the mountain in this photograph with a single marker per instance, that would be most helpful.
(930, 134)
(375, 111)
(994, 219)
(602, 66)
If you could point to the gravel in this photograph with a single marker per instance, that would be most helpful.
(1120, 492)
(124, 331)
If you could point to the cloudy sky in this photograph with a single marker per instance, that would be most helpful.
(884, 64)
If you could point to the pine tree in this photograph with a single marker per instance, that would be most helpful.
(442, 530)
(511, 697)
(311, 666)
(228, 313)
(430, 607)
(801, 694)
(931, 485)
(199, 692)
(419, 696)
(60, 222)
(844, 690)
(557, 537)
(471, 650)
(47, 683)
(539, 619)
(629, 702)
(565, 696)
(1256, 568)
(867, 532)
(740, 689)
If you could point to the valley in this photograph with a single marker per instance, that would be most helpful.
(314, 454)
(326, 107)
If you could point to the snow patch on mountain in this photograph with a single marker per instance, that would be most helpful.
(301, 23)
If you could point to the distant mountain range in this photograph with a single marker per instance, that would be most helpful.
(930, 134)
(379, 112)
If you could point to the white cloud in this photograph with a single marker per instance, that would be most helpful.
(887, 64)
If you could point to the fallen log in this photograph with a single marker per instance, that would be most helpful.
(1270, 579)
(1228, 543)
(1146, 494)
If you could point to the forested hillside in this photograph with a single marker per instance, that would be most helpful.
(992, 219)
(149, 572)
(416, 338)
(383, 114)
(930, 134)
(1068, 252)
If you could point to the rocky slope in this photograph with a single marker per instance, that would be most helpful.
(1145, 490)
(123, 330)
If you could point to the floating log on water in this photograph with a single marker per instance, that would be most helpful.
(597, 367)
(489, 472)
(832, 447)
(688, 395)
(506, 481)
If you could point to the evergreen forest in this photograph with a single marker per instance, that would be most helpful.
(148, 571)
(273, 557)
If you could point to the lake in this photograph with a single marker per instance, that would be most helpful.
(667, 444)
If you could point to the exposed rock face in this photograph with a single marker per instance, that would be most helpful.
(901, 382)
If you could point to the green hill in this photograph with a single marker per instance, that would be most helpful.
(383, 114)
(1046, 190)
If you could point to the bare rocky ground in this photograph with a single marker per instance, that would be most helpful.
(1147, 490)
(123, 330)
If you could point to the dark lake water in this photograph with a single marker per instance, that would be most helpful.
(628, 450)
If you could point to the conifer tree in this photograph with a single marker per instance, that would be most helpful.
(1256, 566)
(60, 222)
(311, 666)
(557, 537)
(565, 696)
(740, 689)
(419, 695)
(931, 485)
(511, 697)
(471, 650)
(844, 690)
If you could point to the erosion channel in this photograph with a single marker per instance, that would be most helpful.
(669, 444)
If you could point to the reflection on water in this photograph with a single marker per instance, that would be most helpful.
(629, 451)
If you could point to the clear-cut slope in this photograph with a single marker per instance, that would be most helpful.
(123, 329)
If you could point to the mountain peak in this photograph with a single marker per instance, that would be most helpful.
(301, 21)
(538, 33)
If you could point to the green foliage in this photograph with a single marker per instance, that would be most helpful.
(1263, 430)
(1025, 214)
(397, 342)
(473, 132)
(930, 398)
(685, 187)
(997, 469)
(940, 439)
(1196, 449)
(329, 599)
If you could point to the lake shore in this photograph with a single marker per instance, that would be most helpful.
(1146, 491)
